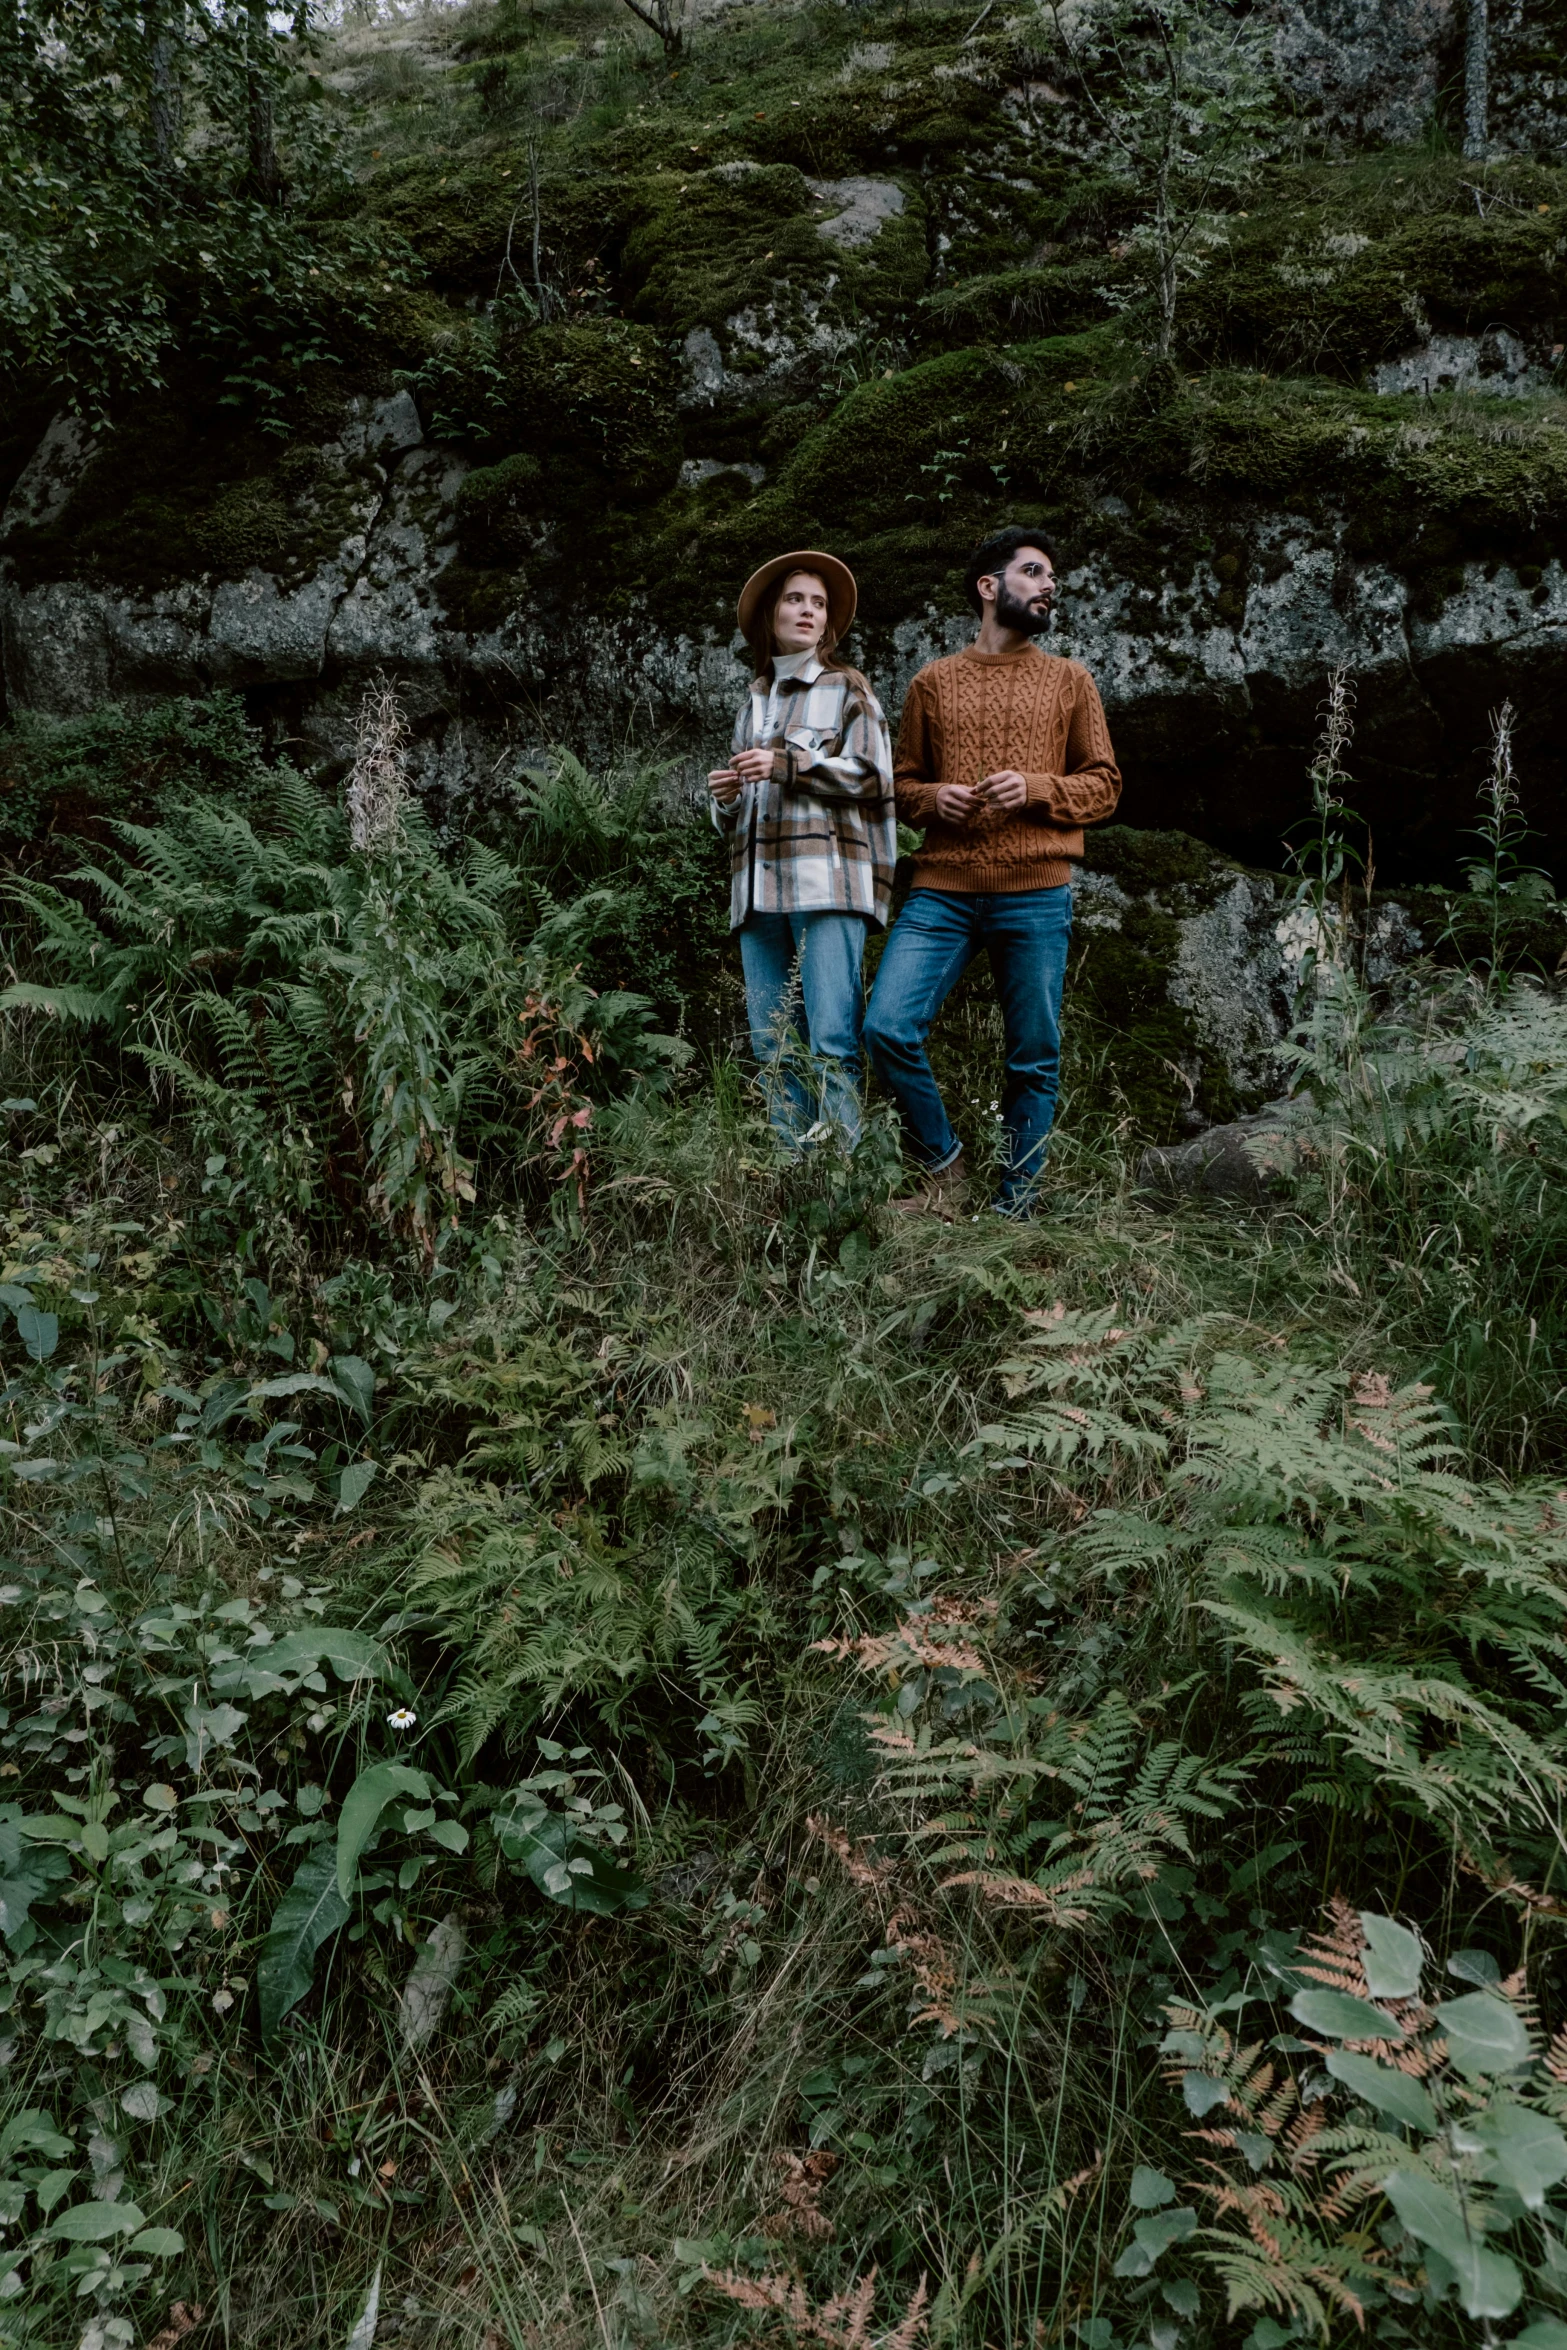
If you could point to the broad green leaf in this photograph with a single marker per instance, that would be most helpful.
(1338, 2015)
(451, 1833)
(365, 2324)
(290, 1383)
(354, 1484)
(1475, 1966)
(1489, 2284)
(1390, 2092)
(355, 1382)
(544, 1845)
(1526, 2151)
(1427, 2210)
(17, 1895)
(32, 2132)
(353, 1656)
(1202, 2093)
(309, 1911)
(1484, 2034)
(1150, 2188)
(1163, 2228)
(53, 2186)
(363, 1805)
(1393, 1957)
(1546, 2333)
(1153, 2236)
(95, 2223)
(160, 2243)
(143, 2102)
(39, 1332)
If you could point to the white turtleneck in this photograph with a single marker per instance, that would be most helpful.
(786, 665)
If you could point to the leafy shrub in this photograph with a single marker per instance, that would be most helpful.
(63, 780)
(1378, 2188)
(629, 887)
(340, 1028)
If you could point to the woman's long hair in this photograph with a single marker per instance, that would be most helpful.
(759, 636)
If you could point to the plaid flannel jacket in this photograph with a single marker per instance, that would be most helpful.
(820, 834)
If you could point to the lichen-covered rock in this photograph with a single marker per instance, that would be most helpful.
(1183, 976)
(1245, 1162)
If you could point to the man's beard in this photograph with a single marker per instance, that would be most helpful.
(1022, 619)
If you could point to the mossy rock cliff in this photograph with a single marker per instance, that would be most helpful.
(869, 280)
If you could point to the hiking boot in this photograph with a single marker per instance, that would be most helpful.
(944, 1194)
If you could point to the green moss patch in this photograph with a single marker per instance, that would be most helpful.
(176, 493)
(721, 241)
(1020, 305)
(1330, 271)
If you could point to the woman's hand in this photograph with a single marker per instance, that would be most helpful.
(725, 786)
(752, 766)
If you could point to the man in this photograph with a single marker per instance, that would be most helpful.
(1003, 756)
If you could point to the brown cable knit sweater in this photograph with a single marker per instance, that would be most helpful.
(976, 713)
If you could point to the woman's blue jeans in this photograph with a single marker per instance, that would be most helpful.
(811, 1066)
(1026, 934)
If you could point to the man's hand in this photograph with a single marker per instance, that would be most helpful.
(753, 766)
(724, 784)
(1006, 789)
(958, 803)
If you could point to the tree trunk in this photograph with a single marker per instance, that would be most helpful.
(667, 19)
(1165, 254)
(1477, 77)
(164, 102)
(265, 174)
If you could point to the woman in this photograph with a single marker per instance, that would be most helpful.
(807, 802)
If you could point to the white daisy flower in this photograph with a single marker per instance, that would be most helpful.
(403, 1718)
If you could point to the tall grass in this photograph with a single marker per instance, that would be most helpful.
(940, 1650)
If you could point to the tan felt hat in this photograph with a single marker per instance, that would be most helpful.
(842, 594)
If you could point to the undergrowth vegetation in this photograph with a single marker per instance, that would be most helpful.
(607, 1744)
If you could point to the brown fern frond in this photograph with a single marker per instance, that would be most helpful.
(1556, 2056)
(1062, 2195)
(1336, 2290)
(913, 2323)
(891, 1738)
(184, 2318)
(1335, 1957)
(1309, 2123)
(856, 1861)
(1276, 2112)
(1348, 2189)
(1252, 2200)
(1499, 1876)
(897, 1650)
(803, 2177)
(843, 2323)
(1254, 2089)
(1022, 1893)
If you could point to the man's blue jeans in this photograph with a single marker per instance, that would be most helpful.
(804, 1093)
(1026, 934)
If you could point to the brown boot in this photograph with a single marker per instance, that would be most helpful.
(944, 1195)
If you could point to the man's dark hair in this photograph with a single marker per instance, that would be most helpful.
(992, 555)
